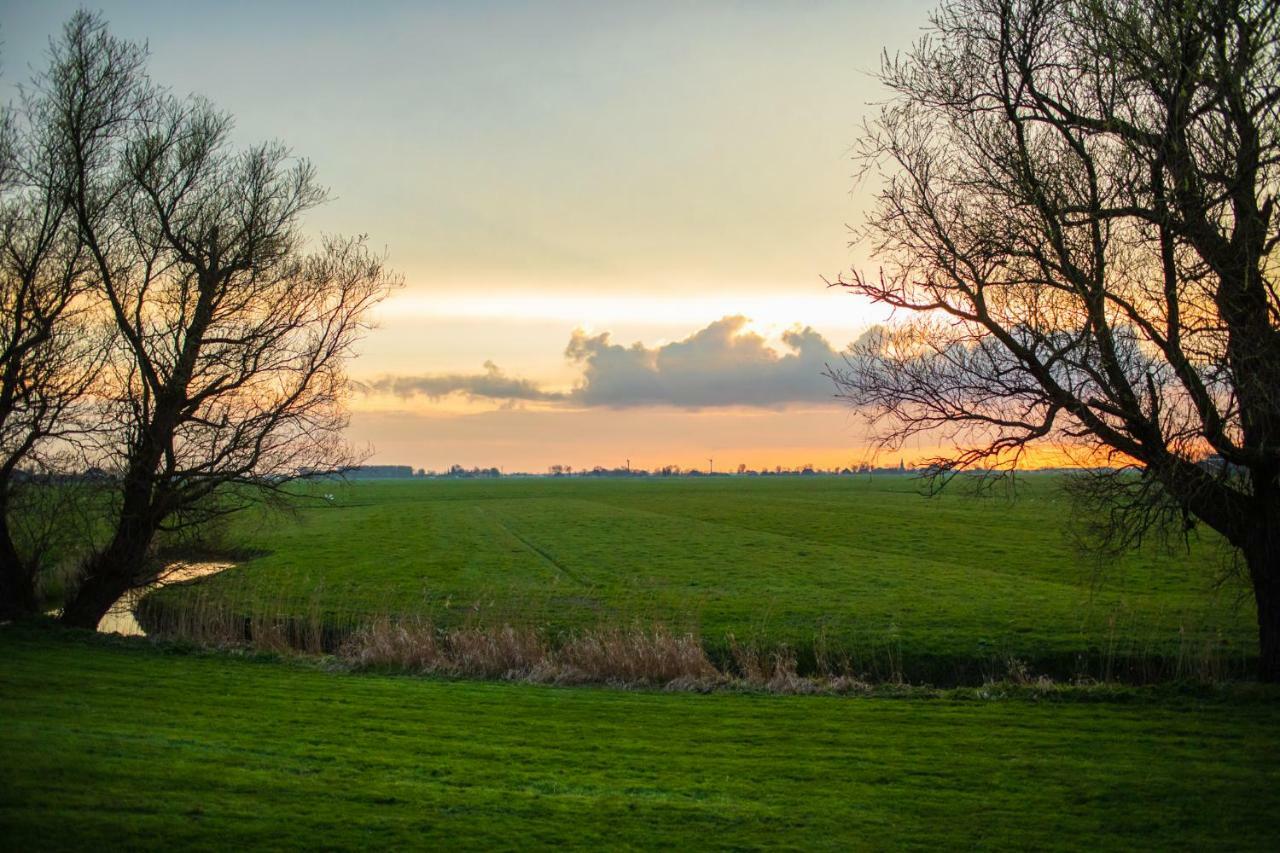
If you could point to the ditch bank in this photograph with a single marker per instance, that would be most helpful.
(652, 654)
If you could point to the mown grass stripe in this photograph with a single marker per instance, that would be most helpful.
(114, 743)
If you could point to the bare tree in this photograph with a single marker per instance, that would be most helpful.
(1079, 212)
(50, 345)
(227, 376)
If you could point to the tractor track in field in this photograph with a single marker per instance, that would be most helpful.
(537, 549)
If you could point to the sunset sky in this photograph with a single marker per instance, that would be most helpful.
(613, 220)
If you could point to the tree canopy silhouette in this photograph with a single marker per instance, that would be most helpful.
(1078, 215)
(221, 374)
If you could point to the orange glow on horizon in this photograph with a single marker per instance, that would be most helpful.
(532, 438)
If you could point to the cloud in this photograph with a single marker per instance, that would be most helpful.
(721, 365)
(492, 384)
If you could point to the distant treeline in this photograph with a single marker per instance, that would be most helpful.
(375, 472)
(398, 472)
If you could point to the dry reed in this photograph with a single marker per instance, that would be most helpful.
(615, 656)
(641, 655)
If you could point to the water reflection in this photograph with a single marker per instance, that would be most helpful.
(120, 618)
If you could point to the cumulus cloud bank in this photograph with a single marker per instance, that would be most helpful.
(723, 364)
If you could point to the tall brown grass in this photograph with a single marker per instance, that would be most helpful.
(635, 656)
(655, 655)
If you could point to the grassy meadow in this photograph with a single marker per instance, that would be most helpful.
(160, 743)
(863, 571)
(115, 743)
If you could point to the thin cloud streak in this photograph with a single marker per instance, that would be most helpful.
(492, 384)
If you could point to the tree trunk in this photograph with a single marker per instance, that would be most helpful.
(115, 570)
(91, 601)
(108, 576)
(1262, 554)
(17, 591)
(17, 582)
(1264, 567)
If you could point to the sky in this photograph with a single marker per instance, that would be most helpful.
(613, 220)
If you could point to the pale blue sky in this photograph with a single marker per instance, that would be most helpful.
(643, 169)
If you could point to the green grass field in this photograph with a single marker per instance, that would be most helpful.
(117, 744)
(939, 588)
(126, 742)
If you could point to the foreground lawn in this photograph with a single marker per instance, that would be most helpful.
(867, 567)
(113, 743)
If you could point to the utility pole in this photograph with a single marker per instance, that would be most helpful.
(711, 466)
